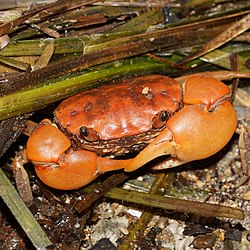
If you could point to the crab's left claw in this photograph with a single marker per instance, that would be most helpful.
(60, 167)
(202, 128)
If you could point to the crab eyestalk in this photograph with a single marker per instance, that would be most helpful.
(202, 128)
(58, 166)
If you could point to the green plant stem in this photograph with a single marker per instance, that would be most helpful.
(33, 99)
(139, 227)
(185, 206)
(181, 36)
(22, 214)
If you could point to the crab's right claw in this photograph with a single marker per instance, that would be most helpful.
(202, 128)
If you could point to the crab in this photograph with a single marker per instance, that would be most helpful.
(141, 117)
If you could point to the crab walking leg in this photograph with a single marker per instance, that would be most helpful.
(61, 168)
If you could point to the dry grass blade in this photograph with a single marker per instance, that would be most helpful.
(5, 28)
(117, 49)
(186, 206)
(43, 12)
(147, 4)
(45, 57)
(233, 31)
(220, 75)
(46, 30)
(59, 7)
(14, 63)
(244, 146)
(99, 190)
(22, 179)
(88, 20)
(81, 62)
(4, 41)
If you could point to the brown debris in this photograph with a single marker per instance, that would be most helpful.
(233, 31)
(22, 179)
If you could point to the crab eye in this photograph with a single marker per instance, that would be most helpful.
(160, 119)
(88, 134)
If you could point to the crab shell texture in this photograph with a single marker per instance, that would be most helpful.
(121, 113)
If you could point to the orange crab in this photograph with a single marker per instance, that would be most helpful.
(150, 115)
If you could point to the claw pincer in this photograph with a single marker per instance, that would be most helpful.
(151, 114)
